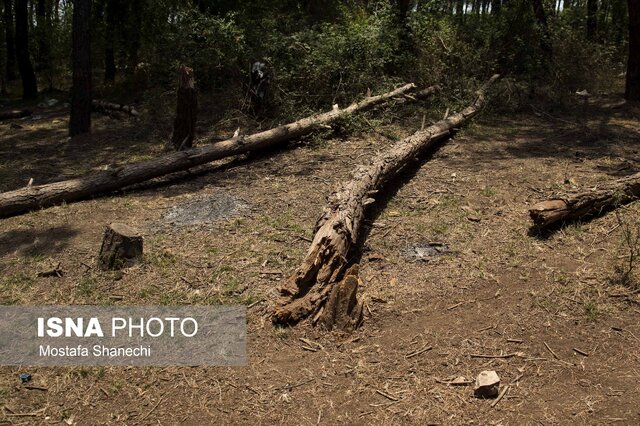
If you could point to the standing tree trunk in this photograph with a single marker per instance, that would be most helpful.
(109, 42)
(29, 83)
(10, 71)
(184, 125)
(632, 90)
(42, 34)
(592, 18)
(80, 119)
(337, 230)
(545, 37)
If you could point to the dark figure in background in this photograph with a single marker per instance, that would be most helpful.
(260, 78)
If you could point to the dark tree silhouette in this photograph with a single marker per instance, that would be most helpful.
(28, 76)
(632, 90)
(10, 72)
(592, 18)
(80, 120)
(109, 42)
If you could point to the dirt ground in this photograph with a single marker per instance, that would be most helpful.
(549, 313)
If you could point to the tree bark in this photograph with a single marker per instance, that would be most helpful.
(10, 42)
(632, 89)
(109, 42)
(184, 125)
(29, 83)
(545, 37)
(338, 228)
(122, 246)
(34, 197)
(592, 18)
(80, 119)
(586, 204)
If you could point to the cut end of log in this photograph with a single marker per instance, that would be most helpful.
(122, 246)
(548, 212)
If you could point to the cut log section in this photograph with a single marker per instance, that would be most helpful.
(107, 108)
(121, 247)
(586, 204)
(184, 125)
(336, 231)
(14, 114)
(40, 196)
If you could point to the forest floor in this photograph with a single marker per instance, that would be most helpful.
(547, 304)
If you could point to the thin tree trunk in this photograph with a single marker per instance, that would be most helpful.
(80, 119)
(10, 70)
(592, 18)
(34, 197)
(339, 227)
(29, 83)
(632, 89)
(184, 125)
(585, 204)
(109, 42)
(545, 37)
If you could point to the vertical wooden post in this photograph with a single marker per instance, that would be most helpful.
(184, 126)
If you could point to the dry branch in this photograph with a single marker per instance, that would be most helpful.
(105, 107)
(40, 196)
(337, 229)
(588, 203)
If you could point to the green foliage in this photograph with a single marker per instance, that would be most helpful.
(211, 45)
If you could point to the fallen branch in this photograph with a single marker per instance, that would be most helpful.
(40, 196)
(107, 108)
(585, 204)
(317, 280)
(14, 114)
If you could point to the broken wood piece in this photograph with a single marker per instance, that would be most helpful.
(40, 196)
(55, 272)
(184, 125)
(585, 204)
(343, 309)
(500, 396)
(338, 228)
(121, 247)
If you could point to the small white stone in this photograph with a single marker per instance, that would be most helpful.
(487, 384)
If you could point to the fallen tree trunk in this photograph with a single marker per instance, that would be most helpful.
(13, 114)
(39, 196)
(318, 279)
(105, 107)
(588, 203)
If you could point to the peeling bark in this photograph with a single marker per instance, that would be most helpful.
(337, 229)
(585, 204)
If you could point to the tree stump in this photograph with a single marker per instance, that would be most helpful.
(184, 126)
(121, 247)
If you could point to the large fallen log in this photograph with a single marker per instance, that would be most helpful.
(319, 278)
(585, 204)
(13, 114)
(116, 177)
